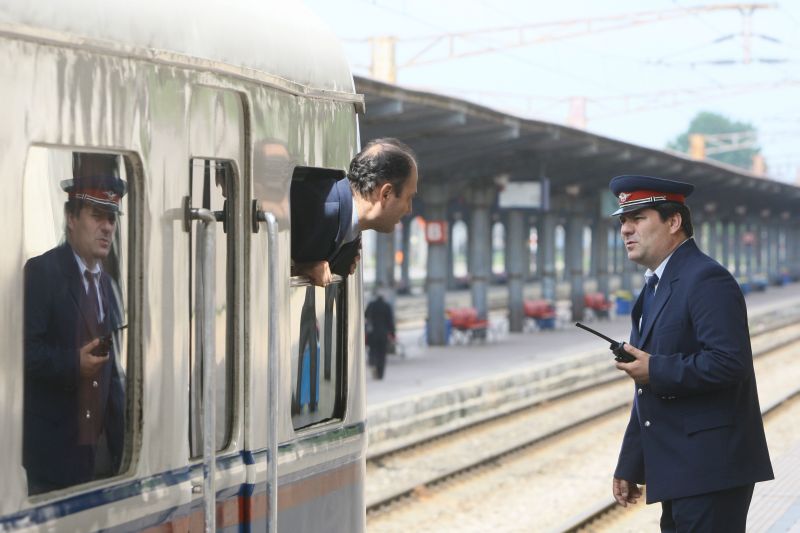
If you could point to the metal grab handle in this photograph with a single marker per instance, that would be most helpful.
(272, 363)
(205, 300)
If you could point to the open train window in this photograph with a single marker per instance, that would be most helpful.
(77, 424)
(318, 314)
(212, 186)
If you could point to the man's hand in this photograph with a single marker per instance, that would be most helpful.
(90, 365)
(638, 370)
(319, 272)
(625, 492)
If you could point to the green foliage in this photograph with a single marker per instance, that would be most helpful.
(712, 123)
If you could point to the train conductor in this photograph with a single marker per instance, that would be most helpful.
(695, 436)
(328, 216)
(74, 399)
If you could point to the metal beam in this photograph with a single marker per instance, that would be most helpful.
(408, 129)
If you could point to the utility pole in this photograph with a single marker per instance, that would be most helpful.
(384, 65)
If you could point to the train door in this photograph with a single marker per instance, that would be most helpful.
(213, 220)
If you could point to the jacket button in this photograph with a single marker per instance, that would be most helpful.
(647, 423)
(88, 414)
(639, 392)
(95, 384)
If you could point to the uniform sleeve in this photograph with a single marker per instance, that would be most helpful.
(45, 360)
(630, 465)
(718, 317)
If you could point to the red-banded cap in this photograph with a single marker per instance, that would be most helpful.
(638, 192)
(104, 192)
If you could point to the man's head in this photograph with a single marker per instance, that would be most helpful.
(654, 219)
(384, 178)
(92, 206)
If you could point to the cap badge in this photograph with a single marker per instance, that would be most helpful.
(623, 196)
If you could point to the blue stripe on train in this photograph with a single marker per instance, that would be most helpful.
(104, 496)
(122, 491)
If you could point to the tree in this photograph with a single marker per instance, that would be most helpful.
(707, 123)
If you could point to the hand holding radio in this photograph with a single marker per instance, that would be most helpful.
(616, 347)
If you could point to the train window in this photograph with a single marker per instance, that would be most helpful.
(319, 327)
(76, 228)
(212, 184)
(318, 352)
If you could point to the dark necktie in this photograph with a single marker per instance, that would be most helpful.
(649, 296)
(91, 295)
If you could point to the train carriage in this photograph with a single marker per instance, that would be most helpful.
(209, 111)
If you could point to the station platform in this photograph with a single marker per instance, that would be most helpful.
(431, 390)
(424, 368)
(775, 507)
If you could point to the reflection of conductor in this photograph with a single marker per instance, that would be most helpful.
(380, 327)
(74, 398)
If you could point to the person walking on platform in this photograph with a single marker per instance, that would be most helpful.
(380, 329)
(695, 436)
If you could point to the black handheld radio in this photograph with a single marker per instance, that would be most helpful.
(104, 346)
(616, 347)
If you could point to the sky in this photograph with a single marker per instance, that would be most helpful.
(641, 69)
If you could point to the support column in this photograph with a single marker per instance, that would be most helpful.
(750, 249)
(451, 279)
(725, 243)
(600, 247)
(760, 266)
(738, 263)
(480, 248)
(517, 256)
(526, 266)
(547, 250)
(699, 233)
(436, 281)
(384, 264)
(772, 253)
(712, 238)
(574, 268)
(405, 278)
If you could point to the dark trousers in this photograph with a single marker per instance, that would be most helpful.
(377, 357)
(724, 511)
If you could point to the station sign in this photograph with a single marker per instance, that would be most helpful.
(436, 231)
(523, 195)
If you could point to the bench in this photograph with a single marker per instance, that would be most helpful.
(541, 312)
(466, 323)
(598, 303)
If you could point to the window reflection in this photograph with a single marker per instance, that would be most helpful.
(74, 411)
(318, 354)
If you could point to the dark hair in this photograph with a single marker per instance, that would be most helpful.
(667, 209)
(73, 207)
(380, 161)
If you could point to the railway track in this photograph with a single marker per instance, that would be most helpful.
(608, 516)
(401, 479)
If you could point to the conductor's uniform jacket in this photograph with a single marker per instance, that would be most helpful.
(60, 406)
(322, 223)
(696, 427)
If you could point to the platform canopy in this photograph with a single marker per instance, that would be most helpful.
(465, 144)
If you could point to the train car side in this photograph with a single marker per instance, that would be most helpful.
(181, 126)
